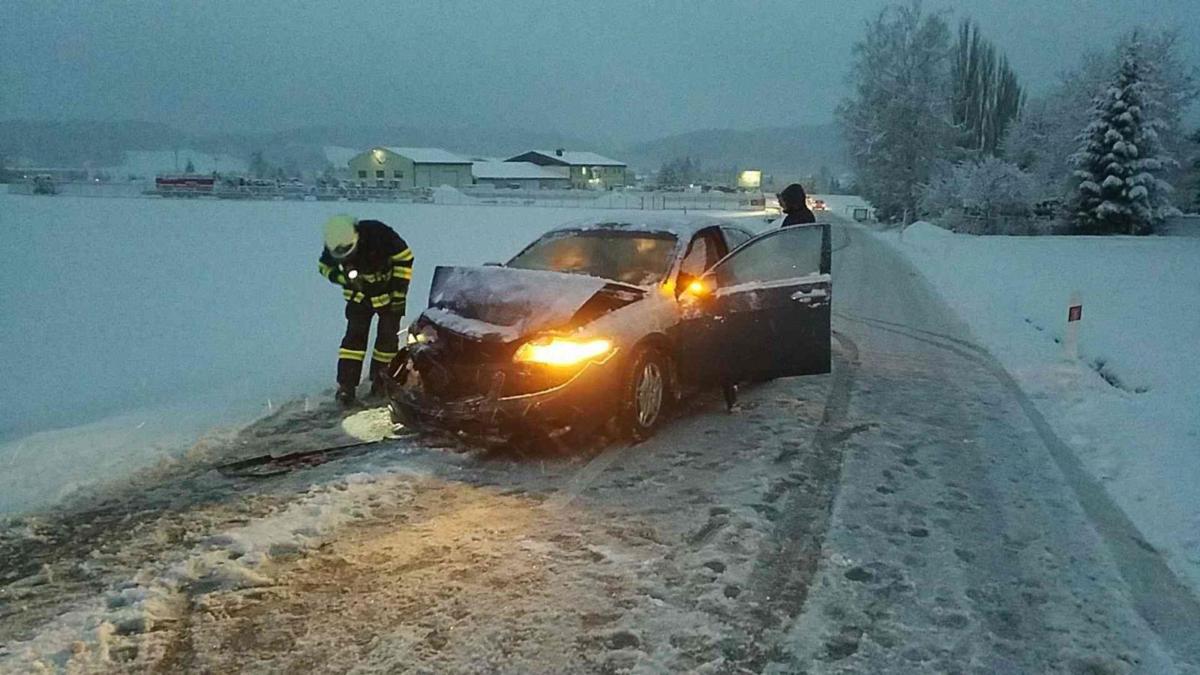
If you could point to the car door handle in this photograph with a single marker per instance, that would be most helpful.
(801, 296)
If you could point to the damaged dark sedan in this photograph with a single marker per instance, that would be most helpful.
(606, 324)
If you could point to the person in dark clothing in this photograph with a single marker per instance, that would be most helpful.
(373, 265)
(794, 204)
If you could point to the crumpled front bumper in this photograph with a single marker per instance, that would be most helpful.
(583, 402)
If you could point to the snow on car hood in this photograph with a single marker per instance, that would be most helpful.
(505, 303)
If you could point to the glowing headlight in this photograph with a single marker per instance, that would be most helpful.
(559, 351)
(424, 336)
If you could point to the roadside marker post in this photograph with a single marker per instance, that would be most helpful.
(1074, 317)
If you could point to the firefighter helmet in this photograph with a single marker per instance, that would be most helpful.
(341, 236)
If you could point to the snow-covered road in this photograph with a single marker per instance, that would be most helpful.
(910, 512)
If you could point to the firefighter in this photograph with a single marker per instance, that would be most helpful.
(373, 265)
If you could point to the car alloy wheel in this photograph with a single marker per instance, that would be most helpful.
(648, 394)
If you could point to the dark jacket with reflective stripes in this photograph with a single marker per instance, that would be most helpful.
(383, 262)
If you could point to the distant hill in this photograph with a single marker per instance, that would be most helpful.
(795, 150)
(70, 144)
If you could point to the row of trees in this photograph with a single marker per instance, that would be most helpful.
(940, 123)
(685, 171)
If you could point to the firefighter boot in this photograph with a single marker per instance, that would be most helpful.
(344, 395)
(378, 391)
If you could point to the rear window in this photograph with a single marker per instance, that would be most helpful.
(639, 258)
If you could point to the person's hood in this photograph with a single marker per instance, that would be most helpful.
(503, 304)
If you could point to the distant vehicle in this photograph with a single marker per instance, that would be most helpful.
(185, 185)
(816, 204)
(609, 323)
(43, 184)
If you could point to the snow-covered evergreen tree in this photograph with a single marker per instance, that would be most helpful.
(1044, 136)
(1120, 158)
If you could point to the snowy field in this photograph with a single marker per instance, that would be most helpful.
(132, 327)
(1130, 404)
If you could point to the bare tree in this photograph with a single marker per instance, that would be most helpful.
(898, 121)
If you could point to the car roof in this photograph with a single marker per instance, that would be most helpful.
(682, 226)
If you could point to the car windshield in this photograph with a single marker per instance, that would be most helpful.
(639, 258)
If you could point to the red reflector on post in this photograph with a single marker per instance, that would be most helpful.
(1074, 313)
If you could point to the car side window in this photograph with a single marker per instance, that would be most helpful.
(702, 254)
(734, 237)
(784, 254)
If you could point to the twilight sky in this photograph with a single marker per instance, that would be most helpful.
(614, 69)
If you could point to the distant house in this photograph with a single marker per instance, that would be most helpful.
(397, 168)
(525, 175)
(585, 169)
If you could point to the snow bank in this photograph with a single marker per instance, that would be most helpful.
(166, 317)
(1130, 404)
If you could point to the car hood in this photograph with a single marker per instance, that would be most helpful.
(503, 304)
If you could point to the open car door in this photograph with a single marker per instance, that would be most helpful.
(763, 311)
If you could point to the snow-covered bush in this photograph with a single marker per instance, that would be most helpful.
(990, 196)
(944, 192)
(1120, 159)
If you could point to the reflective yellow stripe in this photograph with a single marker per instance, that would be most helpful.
(374, 278)
(400, 296)
(386, 357)
(402, 272)
(324, 269)
(406, 254)
(347, 293)
(352, 354)
(380, 300)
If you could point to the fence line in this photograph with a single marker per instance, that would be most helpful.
(623, 200)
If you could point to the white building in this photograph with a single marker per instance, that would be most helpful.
(398, 168)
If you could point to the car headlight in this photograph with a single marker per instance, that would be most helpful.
(562, 351)
(422, 337)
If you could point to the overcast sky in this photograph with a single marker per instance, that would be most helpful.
(597, 69)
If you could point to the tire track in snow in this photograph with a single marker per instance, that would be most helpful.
(784, 571)
(1166, 604)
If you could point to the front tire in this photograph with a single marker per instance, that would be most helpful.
(645, 394)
